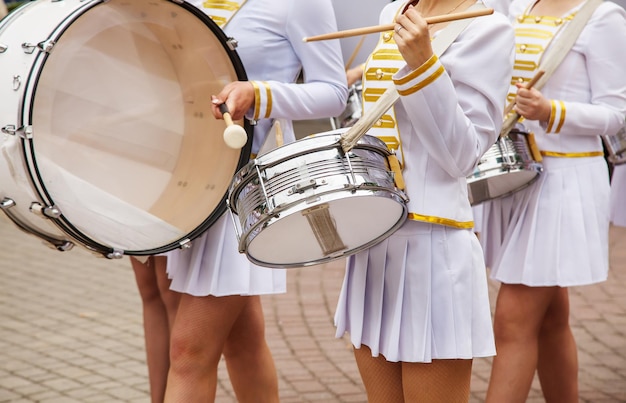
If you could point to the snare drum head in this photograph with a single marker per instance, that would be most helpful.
(125, 144)
(336, 227)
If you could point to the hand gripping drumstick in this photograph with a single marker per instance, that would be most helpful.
(510, 121)
(350, 138)
(528, 86)
(389, 27)
(235, 136)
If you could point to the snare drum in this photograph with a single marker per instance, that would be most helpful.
(108, 139)
(508, 166)
(616, 147)
(307, 202)
(353, 111)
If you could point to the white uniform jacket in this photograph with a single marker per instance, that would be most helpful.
(449, 114)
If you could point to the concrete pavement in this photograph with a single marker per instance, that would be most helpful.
(71, 331)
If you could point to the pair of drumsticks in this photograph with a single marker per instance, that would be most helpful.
(236, 137)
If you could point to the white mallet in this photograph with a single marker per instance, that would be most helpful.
(235, 136)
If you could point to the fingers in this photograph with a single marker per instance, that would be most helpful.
(413, 38)
(238, 96)
(215, 106)
(412, 20)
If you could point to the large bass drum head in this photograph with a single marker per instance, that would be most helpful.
(124, 142)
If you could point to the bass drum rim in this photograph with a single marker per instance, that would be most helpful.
(82, 236)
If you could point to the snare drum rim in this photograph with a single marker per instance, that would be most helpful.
(328, 141)
(248, 237)
(26, 118)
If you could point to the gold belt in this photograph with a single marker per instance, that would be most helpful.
(441, 221)
(572, 155)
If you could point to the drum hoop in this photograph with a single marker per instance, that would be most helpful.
(327, 142)
(393, 194)
(331, 143)
(31, 166)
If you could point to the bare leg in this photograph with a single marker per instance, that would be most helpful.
(519, 314)
(157, 316)
(170, 298)
(200, 331)
(248, 358)
(558, 358)
(382, 379)
(439, 381)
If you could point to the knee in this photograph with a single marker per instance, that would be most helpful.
(507, 328)
(190, 354)
(238, 348)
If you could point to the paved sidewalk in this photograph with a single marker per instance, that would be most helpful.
(70, 331)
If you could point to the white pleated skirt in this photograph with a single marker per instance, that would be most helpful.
(554, 232)
(214, 266)
(419, 295)
(618, 196)
(477, 211)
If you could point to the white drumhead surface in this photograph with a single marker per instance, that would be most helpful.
(126, 143)
(359, 220)
(506, 183)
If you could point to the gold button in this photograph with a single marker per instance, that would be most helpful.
(520, 18)
(559, 21)
(379, 74)
(386, 37)
(537, 19)
(520, 80)
(379, 123)
(522, 48)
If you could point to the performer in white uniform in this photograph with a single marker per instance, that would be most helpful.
(220, 308)
(416, 305)
(554, 234)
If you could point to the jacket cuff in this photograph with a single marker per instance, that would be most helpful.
(420, 77)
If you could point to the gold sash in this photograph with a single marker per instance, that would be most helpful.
(222, 11)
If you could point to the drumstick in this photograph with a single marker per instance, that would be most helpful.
(389, 27)
(528, 86)
(235, 136)
(355, 52)
(279, 134)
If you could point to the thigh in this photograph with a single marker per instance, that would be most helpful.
(520, 309)
(438, 381)
(146, 278)
(203, 323)
(249, 328)
(382, 378)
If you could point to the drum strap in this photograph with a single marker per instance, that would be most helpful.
(379, 116)
(558, 50)
(222, 11)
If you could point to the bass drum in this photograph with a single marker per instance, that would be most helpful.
(108, 139)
